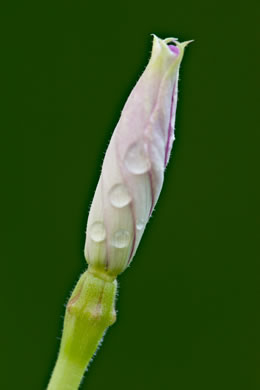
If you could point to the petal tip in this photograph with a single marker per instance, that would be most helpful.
(186, 43)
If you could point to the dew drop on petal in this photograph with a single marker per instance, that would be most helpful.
(121, 239)
(119, 196)
(137, 159)
(97, 232)
(140, 225)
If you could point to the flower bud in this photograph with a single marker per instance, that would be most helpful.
(133, 168)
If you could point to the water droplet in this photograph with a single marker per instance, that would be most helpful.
(137, 159)
(98, 232)
(119, 196)
(121, 239)
(140, 225)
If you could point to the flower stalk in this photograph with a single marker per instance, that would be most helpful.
(89, 312)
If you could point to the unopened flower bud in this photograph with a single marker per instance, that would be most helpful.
(133, 169)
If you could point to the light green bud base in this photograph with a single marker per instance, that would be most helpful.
(90, 311)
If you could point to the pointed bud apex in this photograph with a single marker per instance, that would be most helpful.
(133, 168)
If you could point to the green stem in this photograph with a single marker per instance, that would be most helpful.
(89, 312)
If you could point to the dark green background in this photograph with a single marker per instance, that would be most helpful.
(188, 307)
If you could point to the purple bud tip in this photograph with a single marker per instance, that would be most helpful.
(174, 49)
